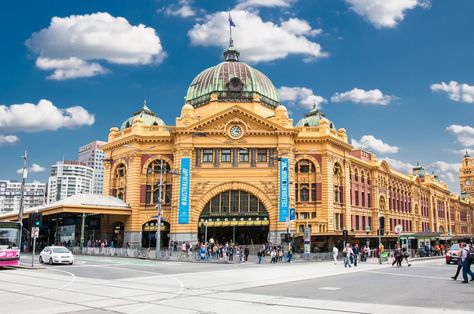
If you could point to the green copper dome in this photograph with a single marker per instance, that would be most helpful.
(313, 118)
(149, 118)
(232, 80)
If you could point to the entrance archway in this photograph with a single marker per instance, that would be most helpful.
(234, 215)
(149, 234)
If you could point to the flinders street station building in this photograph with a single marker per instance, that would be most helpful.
(235, 167)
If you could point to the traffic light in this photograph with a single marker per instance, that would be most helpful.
(382, 224)
(36, 219)
(344, 234)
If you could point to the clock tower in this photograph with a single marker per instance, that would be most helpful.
(466, 175)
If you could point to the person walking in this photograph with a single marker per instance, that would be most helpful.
(259, 256)
(246, 254)
(335, 252)
(290, 252)
(405, 255)
(397, 256)
(455, 277)
(466, 263)
(347, 253)
(356, 252)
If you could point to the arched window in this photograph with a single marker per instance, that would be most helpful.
(155, 170)
(119, 181)
(362, 176)
(305, 185)
(356, 175)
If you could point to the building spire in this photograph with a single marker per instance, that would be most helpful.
(466, 155)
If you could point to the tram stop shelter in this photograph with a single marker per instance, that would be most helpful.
(77, 219)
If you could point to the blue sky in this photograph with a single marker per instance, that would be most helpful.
(397, 75)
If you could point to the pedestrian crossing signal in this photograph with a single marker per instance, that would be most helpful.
(36, 219)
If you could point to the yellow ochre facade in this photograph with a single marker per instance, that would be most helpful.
(236, 135)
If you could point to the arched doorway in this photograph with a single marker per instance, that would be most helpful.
(236, 216)
(117, 234)
(149, 234)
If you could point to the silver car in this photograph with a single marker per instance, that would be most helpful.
(56, 255)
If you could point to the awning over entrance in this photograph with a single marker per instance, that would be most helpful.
(427, 234)
(80, 203)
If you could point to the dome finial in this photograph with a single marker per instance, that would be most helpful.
(466, 155)
(231, 54)
(145, 105)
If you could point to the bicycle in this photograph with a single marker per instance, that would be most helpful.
(165, 254)
(184, 256)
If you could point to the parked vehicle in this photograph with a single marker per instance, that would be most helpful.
(453, 253)
(56, 255)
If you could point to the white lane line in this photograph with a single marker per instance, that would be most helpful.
(407, 275)
(329, 288)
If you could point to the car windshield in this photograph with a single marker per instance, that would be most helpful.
(60, 250)
(455, 247)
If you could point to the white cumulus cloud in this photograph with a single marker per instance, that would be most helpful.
(8, 139)
(399, 165)
(182, 9)
(447, 172)
(258, 40)
(456, 91)
(369, 142)
(385, 13)
(300, 96)
(244, 4)
(43, 116)
(35, 168)
(464, 134)
(361, 96)
(72, 46)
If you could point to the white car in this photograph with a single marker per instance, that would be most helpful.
(56, 254)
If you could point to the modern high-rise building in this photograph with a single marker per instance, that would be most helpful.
(69, 178)
(93, 156)
(10, 194)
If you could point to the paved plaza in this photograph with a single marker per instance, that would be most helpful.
(120, 285)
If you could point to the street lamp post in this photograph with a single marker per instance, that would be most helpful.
(22, 196)
(205, 232)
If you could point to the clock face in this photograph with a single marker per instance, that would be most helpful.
(235, 131)
(467, 182)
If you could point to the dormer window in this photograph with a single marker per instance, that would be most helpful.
(235, 85)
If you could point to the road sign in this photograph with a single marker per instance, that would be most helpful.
(398, 229)
(288, 221)
(34, 232)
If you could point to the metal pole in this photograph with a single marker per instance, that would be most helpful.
(33, 253)
(83, 222)
(205, 232)
(22, 196)
(158, 208)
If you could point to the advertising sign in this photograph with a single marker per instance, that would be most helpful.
(183, 210)
(284, 190)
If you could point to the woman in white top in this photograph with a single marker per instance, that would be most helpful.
(335, 252)
(347, 253)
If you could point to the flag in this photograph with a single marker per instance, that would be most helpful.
(231, 23)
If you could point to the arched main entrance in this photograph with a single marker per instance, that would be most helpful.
(149, 234)
(236, 216)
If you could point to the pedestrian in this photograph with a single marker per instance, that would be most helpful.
(347, 253)
(466, 263)
(273, 256)
(231, 252)
(455, 277)
(397, 256)
(355, 253)
(246, 254)
(259, 256)
(405, 255)
(335, 252)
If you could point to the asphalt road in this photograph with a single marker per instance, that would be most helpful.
(97, 284)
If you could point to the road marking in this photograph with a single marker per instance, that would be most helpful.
(329, 288)
(407, 275)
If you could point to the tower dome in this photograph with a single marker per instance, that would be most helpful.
(232, 80)
(149, 118)
(313, 118)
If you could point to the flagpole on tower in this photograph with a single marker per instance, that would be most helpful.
(231, 42)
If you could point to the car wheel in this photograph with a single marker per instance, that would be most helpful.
(50, 261)
(41, 260)
(71, 263)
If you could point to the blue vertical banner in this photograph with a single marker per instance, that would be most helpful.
(284, 190)
(183, 209)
